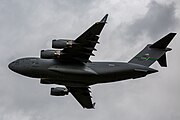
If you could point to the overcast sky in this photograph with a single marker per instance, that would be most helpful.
(28, 26)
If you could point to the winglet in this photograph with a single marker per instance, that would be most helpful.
(104, 19)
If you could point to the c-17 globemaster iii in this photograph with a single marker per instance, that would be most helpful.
(69, 64)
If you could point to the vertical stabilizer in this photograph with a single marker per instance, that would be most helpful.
(154, 52)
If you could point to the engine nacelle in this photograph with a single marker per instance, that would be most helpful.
(59, 91)
(50, 54)
(62, 43)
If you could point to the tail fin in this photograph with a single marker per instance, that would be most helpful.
(153, 52)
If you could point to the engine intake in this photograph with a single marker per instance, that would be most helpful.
(50, 54)
(62, 43)
(59, 91)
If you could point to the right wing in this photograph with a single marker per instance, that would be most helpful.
(85, 44)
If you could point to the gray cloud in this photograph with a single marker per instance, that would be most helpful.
(159, 20)
(28, 26)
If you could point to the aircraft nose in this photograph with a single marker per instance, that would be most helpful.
(17, 66)
(12, 66)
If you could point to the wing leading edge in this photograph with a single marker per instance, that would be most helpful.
(85, 44)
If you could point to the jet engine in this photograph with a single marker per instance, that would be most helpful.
(62, 43)
(50, 54)
(59, 91)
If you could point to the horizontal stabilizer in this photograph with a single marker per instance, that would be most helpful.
(163, 42)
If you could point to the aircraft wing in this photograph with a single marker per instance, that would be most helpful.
(84, 44)
(82, 95)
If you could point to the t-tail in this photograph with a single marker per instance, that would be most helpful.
(154, 52)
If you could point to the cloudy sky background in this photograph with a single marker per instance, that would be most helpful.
(26, 27)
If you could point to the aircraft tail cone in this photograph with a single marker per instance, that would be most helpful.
(152, 71)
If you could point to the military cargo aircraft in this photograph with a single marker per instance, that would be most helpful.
(69, 65)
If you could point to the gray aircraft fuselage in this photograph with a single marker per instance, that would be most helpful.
(78, 75)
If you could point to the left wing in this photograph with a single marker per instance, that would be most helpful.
(82, 95)
(84, 44)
